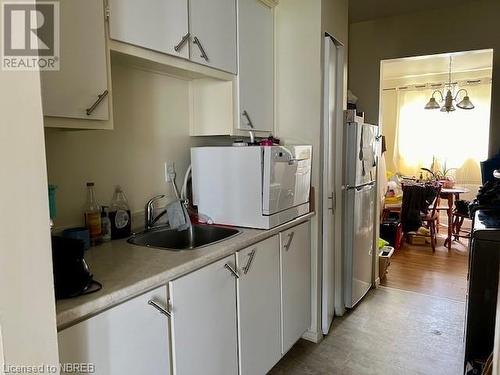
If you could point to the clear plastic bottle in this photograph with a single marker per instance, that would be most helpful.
(105, 224)
(92, 214)
(119, 214)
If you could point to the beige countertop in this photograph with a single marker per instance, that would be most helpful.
(127, 270)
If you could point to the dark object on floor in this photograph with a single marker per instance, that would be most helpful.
(72, 276)
(392, 232)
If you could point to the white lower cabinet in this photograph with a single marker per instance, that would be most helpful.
(131, 338)
(295, 256)
(238, 315)
(259, 307)
(204, 332)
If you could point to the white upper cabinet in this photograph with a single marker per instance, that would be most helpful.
(295, 249)
(160, 25)
(213, 33)
(256, 65)
(259, 307)
(204, 333)
(74, 90)
(131, 338)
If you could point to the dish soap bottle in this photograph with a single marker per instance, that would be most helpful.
(105, 224)
(119, 214)
(92, 215)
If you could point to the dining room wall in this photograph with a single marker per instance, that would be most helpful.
(470, 26)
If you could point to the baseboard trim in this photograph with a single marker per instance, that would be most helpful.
(313, 336)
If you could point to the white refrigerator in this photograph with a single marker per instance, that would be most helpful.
(359, 210)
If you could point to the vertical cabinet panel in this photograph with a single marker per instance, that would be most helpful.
(213, 33)
(159, 25)
(83, 64)
(256, 65)
(259, 307)
(131, 338)
(204, 332)
(295, 256)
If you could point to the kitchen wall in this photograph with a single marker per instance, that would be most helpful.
(27, 306)
(151, 125)
(470, 26)
(300, 28)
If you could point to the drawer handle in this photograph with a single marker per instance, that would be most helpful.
(183, 41)
(202, 50)
(100, 98)
(159, 308)
(289, 242)
(231, 269)
(251, 255)
(249, 121)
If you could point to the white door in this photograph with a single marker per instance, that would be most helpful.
(213, 33)
(295, 256)
(332, 175)
(259, 331)
(256, 65)
(204, 332)
(131, 338)
(160, 25)
(82, 77)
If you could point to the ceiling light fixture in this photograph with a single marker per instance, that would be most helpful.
(449, 99)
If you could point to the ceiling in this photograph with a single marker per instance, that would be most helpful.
(437, 64)
(367, 10)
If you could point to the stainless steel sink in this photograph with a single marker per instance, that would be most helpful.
(172, 239)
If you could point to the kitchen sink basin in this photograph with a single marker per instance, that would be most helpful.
(172, 239)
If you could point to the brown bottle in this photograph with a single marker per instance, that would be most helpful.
(92, 215)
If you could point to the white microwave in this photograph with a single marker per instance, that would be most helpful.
(254, 186)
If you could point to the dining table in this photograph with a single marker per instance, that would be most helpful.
(451, 195)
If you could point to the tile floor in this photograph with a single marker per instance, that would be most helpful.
(392, 332)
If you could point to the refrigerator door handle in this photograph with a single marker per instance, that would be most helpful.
(359, 187)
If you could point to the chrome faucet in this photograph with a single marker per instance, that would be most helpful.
(149, 218)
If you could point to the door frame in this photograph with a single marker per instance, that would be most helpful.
(337, 152)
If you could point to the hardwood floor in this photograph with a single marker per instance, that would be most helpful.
(418, 269)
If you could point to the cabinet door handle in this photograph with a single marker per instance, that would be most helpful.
(183, 41)
(250, 123)
(162, 310)
(251, 255)
(100, 98)
(289, 242)
(231, 269)
(202, 50)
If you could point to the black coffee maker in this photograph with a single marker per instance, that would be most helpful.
(72, 276)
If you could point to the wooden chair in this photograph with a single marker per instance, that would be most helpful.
(431, 219)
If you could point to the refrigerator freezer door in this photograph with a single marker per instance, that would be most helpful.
(286, 177)
(359, 243)
(360, 146)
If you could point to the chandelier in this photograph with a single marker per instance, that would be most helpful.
(449, 98)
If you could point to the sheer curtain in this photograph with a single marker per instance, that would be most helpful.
(459, 138)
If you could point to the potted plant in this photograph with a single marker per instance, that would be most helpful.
(441, 174)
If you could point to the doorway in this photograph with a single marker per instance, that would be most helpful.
(435, 117)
